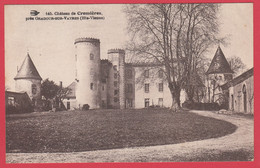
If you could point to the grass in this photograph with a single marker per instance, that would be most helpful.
(72, 131)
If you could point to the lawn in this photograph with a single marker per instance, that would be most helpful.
(73, 131)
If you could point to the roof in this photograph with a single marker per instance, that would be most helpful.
(219, 64)
(239, 79)
(14, 93)
(72, 93)
(28, 70)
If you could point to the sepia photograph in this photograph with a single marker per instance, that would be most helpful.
(102, 83)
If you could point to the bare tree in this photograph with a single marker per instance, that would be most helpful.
(174, 36)
(236, 64)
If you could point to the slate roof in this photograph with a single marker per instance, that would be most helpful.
(219, 64)
(28, 70)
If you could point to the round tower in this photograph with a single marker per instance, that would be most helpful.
(28, 80)
(117, 58)
(88, 72)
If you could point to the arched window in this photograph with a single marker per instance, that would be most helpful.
(91, 56)
(34, 89)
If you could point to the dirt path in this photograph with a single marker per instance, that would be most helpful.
(241, 140)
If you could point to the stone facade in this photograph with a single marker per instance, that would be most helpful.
(241, 92)
(114, 81)
(88, 72)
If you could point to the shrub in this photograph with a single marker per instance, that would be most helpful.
(85, 107)
(201, 106)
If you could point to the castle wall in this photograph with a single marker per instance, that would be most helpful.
(88, 72)
(238, 96)
(26, 85)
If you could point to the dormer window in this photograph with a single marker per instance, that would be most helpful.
(91, 56)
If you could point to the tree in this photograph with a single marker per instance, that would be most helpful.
(49, 89)
(52, 91)
(236, 64)
(174, 36)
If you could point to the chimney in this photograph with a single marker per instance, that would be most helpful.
(60, 84)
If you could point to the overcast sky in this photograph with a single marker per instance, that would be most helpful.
(51, 43)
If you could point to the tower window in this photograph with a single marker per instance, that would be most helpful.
(92, 86)
(115, 92)
(34, 89)
(146, 87)
(91, 56)
(115, 75)
(160, 87)
(115, 67)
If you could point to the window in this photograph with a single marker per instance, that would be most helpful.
(146, 73)
(146, 102)
(91, 56)
(34, 89)
(115, 75)
(68, 105)
(92, 86)
(115, 67)
(130, 102)
(160, 102)
(160, 74)
(146, 87)
(115, 92)
(160, 87)
(129, 88)
(10, 101)
(115, 99)
(129, 74)
(115, 83)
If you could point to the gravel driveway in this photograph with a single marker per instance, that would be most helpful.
(232, 146)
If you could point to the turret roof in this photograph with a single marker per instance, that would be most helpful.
(28, 70)
(219, 63)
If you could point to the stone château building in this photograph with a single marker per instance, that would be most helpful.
(114, 83)
(111, 83)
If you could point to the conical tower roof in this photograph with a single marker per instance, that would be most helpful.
(219, 64)
(28, 70)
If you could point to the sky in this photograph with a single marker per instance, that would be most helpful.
(51, 43)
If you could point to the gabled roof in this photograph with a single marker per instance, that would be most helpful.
(219, 64)
(28, 70)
